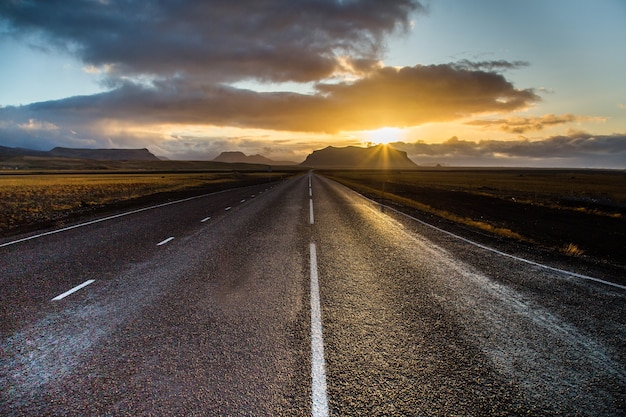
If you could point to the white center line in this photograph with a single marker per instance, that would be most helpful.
(205, 219)
(319, 399)
(311, 218)
(169, 239)
(73, 290)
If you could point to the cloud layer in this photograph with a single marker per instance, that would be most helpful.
(387, 97)
(214, 40)
(575, 149)
(525, 124)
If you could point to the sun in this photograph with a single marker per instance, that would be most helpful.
(383, 136)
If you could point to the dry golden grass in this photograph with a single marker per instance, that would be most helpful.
(572, 250)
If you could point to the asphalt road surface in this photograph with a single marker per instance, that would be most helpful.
(299, 299)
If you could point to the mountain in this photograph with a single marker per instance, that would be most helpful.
(374, 157)
(240, 157)
(73, 153)
(104, 154)
(6, 152)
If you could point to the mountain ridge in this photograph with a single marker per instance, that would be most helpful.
(351, 157)
(240, 157)
(113, 154)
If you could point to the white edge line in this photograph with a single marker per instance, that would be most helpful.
(169, 239)
(508, 255)
(73, 290)
(103, 219)
(319, 398)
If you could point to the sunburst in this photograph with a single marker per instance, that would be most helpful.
(384, 135)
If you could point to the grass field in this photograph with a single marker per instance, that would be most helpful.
(576, 212)
(38, 198)
(541, 186)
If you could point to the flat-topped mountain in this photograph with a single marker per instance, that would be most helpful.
(74, 153)
(240, 157)
(104, 154)
(374, 157)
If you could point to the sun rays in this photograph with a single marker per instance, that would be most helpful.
(383, 136)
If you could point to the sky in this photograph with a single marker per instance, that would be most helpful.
(534, 83)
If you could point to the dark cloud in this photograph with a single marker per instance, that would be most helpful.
(216, 40)
(575, 149)
(525, 124)
(387, 97)
(412, 96)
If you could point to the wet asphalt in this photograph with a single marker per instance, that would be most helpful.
(217, 320)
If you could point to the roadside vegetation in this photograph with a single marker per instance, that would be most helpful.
(574, 212)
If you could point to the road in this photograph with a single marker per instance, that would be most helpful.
(300, 299)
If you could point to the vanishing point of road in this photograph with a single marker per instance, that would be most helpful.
(297, 298)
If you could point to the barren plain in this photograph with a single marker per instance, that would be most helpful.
(577, 213)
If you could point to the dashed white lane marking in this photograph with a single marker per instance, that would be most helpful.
(73, 290)
(169, 239)
(243, 201)
(104, 219)
(205, 219)
(227, 208)
(319, 399)
(311, 218)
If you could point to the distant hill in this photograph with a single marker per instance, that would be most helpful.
(104, 154)
(74, 153)
(6, 152)
(374, 157)
(240, 157)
